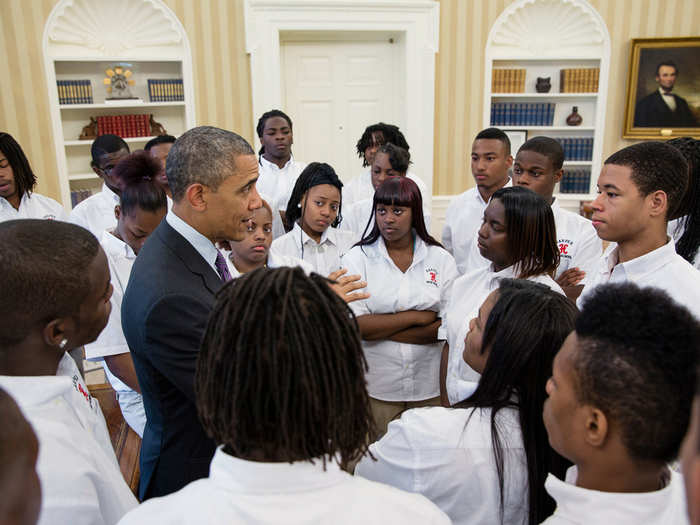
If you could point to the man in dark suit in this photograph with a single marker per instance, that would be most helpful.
(211, 173)
(663, 109)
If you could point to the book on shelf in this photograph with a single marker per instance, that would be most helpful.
(74, 91)
(124, 126)
(508, 81)
(522, 114)
(577, 149)
(575, 180)
(166, 90)
(579, 80)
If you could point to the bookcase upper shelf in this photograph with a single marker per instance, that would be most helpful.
(124, 104)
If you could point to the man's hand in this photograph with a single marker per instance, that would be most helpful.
(569, 281)
(345, 285)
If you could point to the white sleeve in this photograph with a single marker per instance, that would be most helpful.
(77, 216)
(450, 274)
(354, 262)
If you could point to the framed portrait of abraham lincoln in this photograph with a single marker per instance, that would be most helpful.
(663, 89)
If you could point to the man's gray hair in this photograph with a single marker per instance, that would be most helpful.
(206, 155)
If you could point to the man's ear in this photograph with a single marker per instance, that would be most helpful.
(509, 161)
(117, 211)
(558, 175)
(596, 427)
(196, 196)
(55, 331)
(97, 170)
(658, 203)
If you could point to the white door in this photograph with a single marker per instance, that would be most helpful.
(333, 90)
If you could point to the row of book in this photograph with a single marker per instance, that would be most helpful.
(580, 80)
(74, 91)
(125, 125)
(508, 81)
(166, 90)
(77, 196)
(577, 149)
(522, 114)
(575, 180)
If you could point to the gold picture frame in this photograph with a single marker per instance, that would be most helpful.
(648, 113)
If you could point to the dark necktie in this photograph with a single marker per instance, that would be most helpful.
(221, 267)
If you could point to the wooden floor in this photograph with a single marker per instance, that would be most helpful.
(125, 441)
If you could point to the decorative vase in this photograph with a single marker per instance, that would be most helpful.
(543, 85)
(575, 118)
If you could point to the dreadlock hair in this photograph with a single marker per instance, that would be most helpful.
(137, 173)
(521, 353)
(44, 267)
(399, 158)
(385, 133)
(160, 139)
(689, 208)
(495, 134)
(25, 180)
(398, 191)
(315, 174)
(265, 382)
(531, 232)
(105, 144)
(548, 147)
(261, 124)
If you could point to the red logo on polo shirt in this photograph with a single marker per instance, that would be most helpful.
(431, 276)
(563, 248)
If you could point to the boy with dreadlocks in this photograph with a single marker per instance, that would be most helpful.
(280, 461)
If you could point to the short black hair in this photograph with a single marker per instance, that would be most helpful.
(389, 133)
(105, 144)
(161, 139)
(399, 158)
(260, 128)
(44, 268)
(315, 174)
(655, 166)
(548, 147)
(138, 173)
(636, 361)
(495, 134)
(267, 381)
(669, 63)
(25, 180)
(689, 209)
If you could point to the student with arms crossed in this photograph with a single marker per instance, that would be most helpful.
(538, 166)
(485, 460)
(409, 277)
(515, 220)
(640, 187)
(17, 181)
(619, 404)
(55, 297)
(490, 162)
(142, 205)
(278, 460)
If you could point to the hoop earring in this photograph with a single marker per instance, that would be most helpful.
(63, 343)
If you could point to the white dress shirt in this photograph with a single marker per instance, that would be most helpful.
(578, 242)
(277, 183)
(360, 188)
(323, 256)
(468, 293)
(579, 506)
(447, 455)
(32, 206)
(96, 213)
(355, 219)
(250, 492)
(111, 341)
(402, 371)
(661, 268)
(199, 242)
(274, 260)
(80, 478)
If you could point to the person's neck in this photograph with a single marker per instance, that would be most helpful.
(244, 266)
(280, 161)
(641, 244)
(31, 357)
(185, 213)
(312, 233)
(402, 245)
(621, 475)
(14, 200)
(487, 192)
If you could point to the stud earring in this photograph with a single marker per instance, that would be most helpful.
(63, 343)
(298, 205)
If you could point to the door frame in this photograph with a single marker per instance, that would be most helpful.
(418, 21)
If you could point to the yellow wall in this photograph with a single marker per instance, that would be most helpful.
(222, 74)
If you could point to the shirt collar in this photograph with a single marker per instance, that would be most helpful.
(272, 166)
(115, 246)
(256, 477)
(109, 194)
(199, 242)
(663, 93)
(480, 199)
(301, 237)
(22, 202)
(644, 264)
(420, 250)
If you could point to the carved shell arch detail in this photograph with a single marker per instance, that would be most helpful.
(548, 27)
(113, 28)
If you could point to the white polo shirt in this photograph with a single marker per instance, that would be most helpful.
(111, 341)
(402, 371)
(355, 219)
(80, 478)
(32, 206)
(277, 183)
(323, 256)
(360, 188)
(579, 506)
(96, 213)
(578, 242)
(468, 293)
(661, 268)
(240, 491)
(446, 454)
(462, 222)
(274, 260)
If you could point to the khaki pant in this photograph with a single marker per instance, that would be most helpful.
(385, 411)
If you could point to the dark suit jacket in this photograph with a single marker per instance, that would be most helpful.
(164, 314)
(653, 112)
